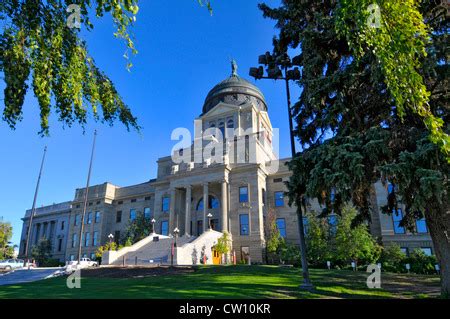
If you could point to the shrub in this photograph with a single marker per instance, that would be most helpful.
(393, 259)
(421, 263)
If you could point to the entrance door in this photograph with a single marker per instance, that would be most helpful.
(216, 257)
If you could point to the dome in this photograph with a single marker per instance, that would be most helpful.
(234, 90)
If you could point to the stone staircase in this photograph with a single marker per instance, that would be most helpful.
(156, 249)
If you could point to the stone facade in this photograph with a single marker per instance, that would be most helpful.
(49, 222)
(242, 180)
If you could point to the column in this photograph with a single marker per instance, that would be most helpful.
(205, 206)
(187, 224)
(224, 203)
(172, 220)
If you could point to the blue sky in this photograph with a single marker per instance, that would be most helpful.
(183, 53)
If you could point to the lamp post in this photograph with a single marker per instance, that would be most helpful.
(274, 65)
(209, 220)
(176, 231)
(110, 236)
(153, 221)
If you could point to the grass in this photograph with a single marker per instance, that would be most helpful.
(231, 282)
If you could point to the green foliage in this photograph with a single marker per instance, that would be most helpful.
(273, 237)
(421, 263)
(42, 252)
(36, 41)
(354, 243)
(393, 259)
(318, 240)
(137, 230)
(106, 247)
(223, 245)
(350, 125)
(6, 251)
(399, 45)
(289, 254)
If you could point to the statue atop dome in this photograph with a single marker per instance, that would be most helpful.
(234, 67)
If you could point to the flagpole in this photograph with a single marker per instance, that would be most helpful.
(33, 209)
(86, 193)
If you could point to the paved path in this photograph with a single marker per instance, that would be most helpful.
(25, 275)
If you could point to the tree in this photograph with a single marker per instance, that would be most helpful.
(137, 229)
(351, 127)
(223, 245)
(354, 243)
(6, 251)
(318, 239)
(42, 252)
(106, 247)
(273, 237)
(41, 39)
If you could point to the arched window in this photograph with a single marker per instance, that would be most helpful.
(213, 203)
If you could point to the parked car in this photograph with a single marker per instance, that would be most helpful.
(10, 264)
(84, 262)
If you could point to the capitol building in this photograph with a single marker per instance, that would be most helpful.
(225, 179)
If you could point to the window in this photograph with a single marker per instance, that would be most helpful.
(392, 187)
(421, 226)
(397, 218)
(243, 194)
(147, 198)
(132, 214)
(281, 225)
(165, 228)
(332, 222)
(427, 251)
(87, 238)
(77, 220)
(214, 224)
(74, 240)
(133, 200)
(165, 204)
(147, 213)
(277, 180)
(62, 225)
(212, 203)
(92, 256)
(405, 250)
(230, 124)
(97, 217)
(279, 199)
(244, 224)
(89, 218)
(59, 244)
(90, 204)
(199, 227)
(98, 202)
(95, 239)
(72, 258)
(119, 216)
(120, 202)
(263, 192)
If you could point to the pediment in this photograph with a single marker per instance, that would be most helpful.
(220, 109)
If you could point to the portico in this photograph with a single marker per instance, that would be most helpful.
(191, 202)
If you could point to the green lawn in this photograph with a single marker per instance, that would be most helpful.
(232, 282)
